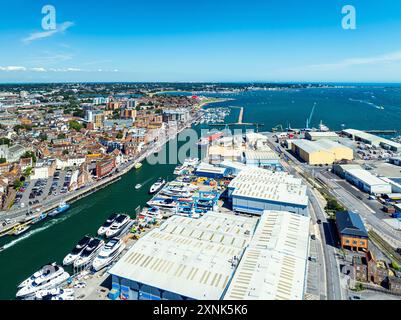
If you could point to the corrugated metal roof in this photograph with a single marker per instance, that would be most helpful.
(273, 267)
(190, 257)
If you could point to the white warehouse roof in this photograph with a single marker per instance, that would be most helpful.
(190, 257)
(273, 267)
(268, 185)
(366, 177)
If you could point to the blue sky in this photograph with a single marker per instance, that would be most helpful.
(267, 40)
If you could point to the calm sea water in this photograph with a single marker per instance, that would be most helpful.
(51, 240)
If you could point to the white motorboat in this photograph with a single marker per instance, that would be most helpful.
(164, 203)
(176, 192)
(102, 230)
(52, 277)
(74, 254)
(180, 184)
(138, 186)
(118, 225)
(108, 254)
(157, 186)
(18, 230)
(44, 272)
(89, 253)
(43, 294)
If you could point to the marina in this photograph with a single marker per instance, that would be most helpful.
(99, 206)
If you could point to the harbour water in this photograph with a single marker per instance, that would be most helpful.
(51, 240)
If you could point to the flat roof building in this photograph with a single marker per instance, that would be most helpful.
(367, 182)
(319, 135)
(273, 266)
(184, 259)
(321, 152)
(372, 139)
(255, 190)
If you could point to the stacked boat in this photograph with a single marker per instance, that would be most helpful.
(48, 277)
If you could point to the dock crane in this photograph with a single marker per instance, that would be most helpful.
(308, 120)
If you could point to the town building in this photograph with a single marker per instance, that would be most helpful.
(351, 231)
(105, 167)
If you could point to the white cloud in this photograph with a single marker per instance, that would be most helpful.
(381, 59)
(38, 69)
(61, 28)
(12, 68)
(65, 70)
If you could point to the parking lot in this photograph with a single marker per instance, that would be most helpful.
(37, 191)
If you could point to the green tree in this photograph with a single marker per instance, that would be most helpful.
(43, 137)
(27, 172)
(29, 154)
(79, 113)
(61, 136)
(3, 160)
(119, 135)
(5, 141)
(18, 184)
(75, 125)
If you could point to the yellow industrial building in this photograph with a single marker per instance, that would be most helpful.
(321, 152)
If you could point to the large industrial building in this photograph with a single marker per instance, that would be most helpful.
(321, 152)
(273, 266)
(219, 256)
(265, 158)
(184, 259)
(319, 135)
(363, 179)
(373, 140)
(255, 190)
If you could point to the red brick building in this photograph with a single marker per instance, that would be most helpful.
(103, 168)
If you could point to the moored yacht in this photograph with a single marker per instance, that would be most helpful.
(51, 276)
(157, 186)
(42, 272)
(118, 225)
(163, 203)
(102, 230)
(110, 252)
(89, 252)
(74, 254)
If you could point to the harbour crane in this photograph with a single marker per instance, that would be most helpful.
(308, 120)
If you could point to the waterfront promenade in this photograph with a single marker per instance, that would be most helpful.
(170, 133)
